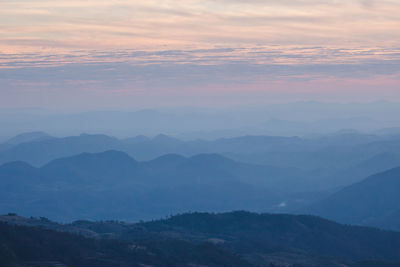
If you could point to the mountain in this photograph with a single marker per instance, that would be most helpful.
(200, 239)
(24, 138)
(373, 201)
(28, 137)
(111, 184)
(106, 167)
(40, 152)
(338, 151)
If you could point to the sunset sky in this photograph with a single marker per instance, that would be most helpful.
(136, 54)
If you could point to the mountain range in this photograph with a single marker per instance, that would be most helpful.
(113, 185)
(329, 162)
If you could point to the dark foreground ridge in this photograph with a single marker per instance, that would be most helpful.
(197, 239)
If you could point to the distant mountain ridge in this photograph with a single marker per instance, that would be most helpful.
(28, 137)
(41, 152)
(331, 161)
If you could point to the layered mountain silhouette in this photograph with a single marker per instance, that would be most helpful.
(330, 161)
(113, 185)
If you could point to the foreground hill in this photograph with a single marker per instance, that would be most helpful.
(254, 234)
(113, 185)
(227, 239)
(373, 201)
(22, 246)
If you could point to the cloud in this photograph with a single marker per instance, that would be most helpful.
(177, 23)
(176, 47)
(260, 55)
(181, 69)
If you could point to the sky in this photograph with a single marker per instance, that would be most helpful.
(143, 54)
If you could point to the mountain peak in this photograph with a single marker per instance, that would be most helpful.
(210, 158)
(28, 137)
(17, 165)
(109, 157)
(164, 138)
